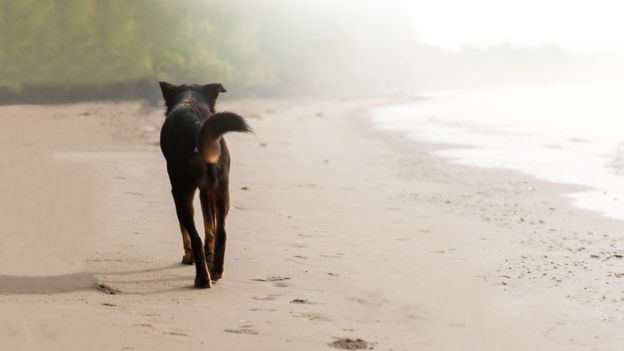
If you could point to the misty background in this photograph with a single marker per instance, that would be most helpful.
(71, 50)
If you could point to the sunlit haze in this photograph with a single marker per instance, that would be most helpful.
(583, 26)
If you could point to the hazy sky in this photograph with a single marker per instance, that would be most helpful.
(578, 25)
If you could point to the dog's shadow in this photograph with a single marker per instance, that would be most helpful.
(143, 285)
(82, 281)
(52, 284)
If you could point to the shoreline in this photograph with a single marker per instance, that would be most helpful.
(401, 141)
(382, 240)
(574, 155)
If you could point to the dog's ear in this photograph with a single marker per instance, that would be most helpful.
(211, 92)
(169, 91)
(215, 87)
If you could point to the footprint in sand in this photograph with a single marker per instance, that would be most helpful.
(266, 298)
(350, 344)
(313, 316)
(297, 245)
(309, 236)
(301, 301)
(145, 325)
(256, 309)
(175, 333)
(337, 255)
(243, 329)
(107, 289)
(278, 281)
(271, 279)
(307, 186)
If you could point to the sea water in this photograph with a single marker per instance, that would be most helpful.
(562, 133)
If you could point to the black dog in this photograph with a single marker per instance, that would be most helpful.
(197, 157)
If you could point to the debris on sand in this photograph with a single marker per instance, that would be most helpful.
(614, 255)
(107, 289)
(350, 344)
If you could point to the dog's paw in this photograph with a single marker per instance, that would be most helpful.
(203, 283)
(187, 259)
(214, 275)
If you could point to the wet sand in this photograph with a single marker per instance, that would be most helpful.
(336, 231)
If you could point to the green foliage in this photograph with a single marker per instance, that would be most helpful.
(94, 43)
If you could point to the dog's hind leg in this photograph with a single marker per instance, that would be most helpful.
(186, 243)
(222, 207)
(208, 211)
(183, 198)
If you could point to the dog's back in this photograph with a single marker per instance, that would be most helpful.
(178, 142)
(178, 136)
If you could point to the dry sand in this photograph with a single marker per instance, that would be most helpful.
(336, 231)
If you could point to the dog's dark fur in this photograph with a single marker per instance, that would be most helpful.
(197, 157)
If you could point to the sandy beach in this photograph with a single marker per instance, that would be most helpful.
(337, 230)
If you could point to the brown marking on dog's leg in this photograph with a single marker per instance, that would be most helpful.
(186, 243)
(184, 209)
(222, 207)
(208, 212)
(211, 152)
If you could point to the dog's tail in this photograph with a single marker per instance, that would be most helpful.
(213, 128)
